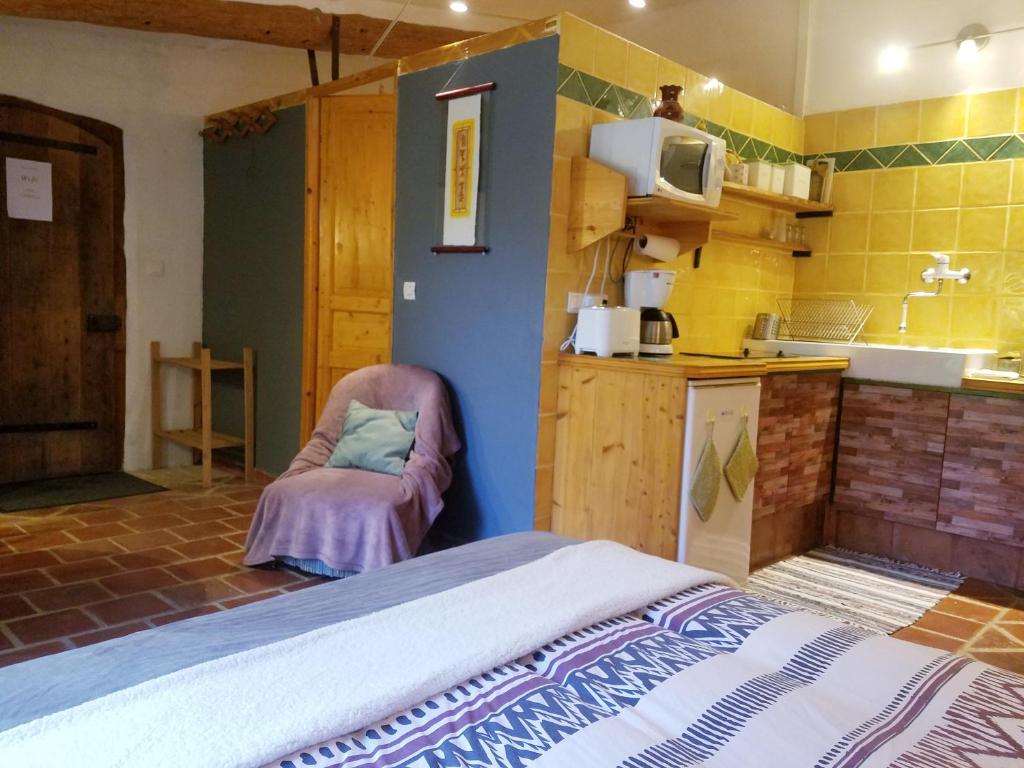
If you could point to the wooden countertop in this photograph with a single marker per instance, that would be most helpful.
(1013, 386)
(701, 367)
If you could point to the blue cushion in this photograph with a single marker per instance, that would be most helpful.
(374, 439)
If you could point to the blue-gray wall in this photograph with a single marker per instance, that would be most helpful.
(478, 319)
(252, 279)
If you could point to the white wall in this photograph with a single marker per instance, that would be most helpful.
(157, 89)
(845, 37)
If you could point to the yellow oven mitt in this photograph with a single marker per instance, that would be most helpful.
(741, 467)
(706, 480)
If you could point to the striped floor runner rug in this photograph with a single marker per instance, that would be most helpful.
(864, 590)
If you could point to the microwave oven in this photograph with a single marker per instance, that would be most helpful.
(664, 158)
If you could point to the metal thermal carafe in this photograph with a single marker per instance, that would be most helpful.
(648, 290)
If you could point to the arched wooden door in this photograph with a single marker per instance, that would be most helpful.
(62, 298)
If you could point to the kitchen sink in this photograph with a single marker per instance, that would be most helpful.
(929, 366)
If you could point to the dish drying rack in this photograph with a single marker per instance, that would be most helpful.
(823, 319)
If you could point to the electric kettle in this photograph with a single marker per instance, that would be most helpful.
(657, 329)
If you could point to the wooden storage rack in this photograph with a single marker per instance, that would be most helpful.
(201, 438)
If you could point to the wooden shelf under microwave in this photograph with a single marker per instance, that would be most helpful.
(664, 210)
(787, 203)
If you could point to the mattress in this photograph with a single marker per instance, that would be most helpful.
(694, 673)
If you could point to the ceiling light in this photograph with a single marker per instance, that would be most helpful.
(714, 85)
(893, 59)
(970, 41)
(638, 3)
(458, 6)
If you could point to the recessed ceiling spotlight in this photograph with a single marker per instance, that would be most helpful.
(970, 41)
(893, 59)
(458, 6)
(638, 3)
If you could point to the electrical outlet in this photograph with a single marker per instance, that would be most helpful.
(577, 300)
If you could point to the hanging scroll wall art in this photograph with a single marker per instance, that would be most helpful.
(462, 170)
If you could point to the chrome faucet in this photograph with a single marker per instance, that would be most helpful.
(937, 275)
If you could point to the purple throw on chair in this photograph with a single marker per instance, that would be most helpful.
(351, 519)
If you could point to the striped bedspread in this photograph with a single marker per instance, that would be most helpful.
(708, 677)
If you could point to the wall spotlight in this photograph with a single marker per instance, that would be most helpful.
(638, 3)
(970, 41)
(458, 6)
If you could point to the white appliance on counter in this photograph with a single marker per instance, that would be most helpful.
(722, 542)
(608, 331)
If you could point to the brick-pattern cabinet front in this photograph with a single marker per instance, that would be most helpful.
(796, 432)
(891, 443)
(983, 475)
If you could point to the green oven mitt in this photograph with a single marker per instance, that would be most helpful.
(706, 480)
(741, 467)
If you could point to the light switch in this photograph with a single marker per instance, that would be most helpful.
(409, 291)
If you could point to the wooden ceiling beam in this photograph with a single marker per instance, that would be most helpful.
(289, 26)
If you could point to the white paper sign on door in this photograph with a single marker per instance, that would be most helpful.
(29, 190)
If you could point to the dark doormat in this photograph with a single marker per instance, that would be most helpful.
(62, 491)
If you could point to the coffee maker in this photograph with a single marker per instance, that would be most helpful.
(648, 290)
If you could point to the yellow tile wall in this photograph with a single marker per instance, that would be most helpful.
(886, 222)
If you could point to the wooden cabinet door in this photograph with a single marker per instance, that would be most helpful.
(619, 453)
(62, 300)
(891, 446)
(356, 213)
(983, 472)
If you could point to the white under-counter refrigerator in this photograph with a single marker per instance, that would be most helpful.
(722, 542)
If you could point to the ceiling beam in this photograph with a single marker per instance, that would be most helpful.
(289, 26)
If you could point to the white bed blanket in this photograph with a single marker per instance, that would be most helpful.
(247, 709)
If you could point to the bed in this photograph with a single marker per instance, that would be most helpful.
(522, 650)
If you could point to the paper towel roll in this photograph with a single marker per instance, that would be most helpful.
(657, 247)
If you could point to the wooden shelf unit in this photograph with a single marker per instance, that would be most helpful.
(201, 438)
(797, 205)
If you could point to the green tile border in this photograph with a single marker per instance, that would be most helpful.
(594, 92)
(622, 102)
(967, 150)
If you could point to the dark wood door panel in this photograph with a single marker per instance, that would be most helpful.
(53, 275)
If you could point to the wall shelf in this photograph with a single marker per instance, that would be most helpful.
(761, 243)
(786, 203)
(664, 210)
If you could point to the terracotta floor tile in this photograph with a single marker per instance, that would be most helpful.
(44, 524)
(69, 596)
(1011, 660)
(986, 592)
(967, 609)
(35, 542)
(241, 524)
(243, 507)
(10, 529)
(206, 547)
(137, 542)
(101, 516)
(17, 583)
(90, 638)
(234, 603)
(100, 531)
(203, 502)
(82, 570)
(952, 626)
(204, 515)
(147, 558)
(139, 581)
(191, 613)
(1014, 630)
(131, 608)
(48, 626)
(33, 652)
(155, 522)
(87, 550)
(258, 580)
(202, 569)
(199, 593)
(14, 606)
(23, 561)
(238, 538)
(931, 639)
(313, 582)
(6, 643)
(992, 638)
(202, 530)
(1013, 615)
(245, 495)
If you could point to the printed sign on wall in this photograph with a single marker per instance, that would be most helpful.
(29, 190)
(462, 171)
